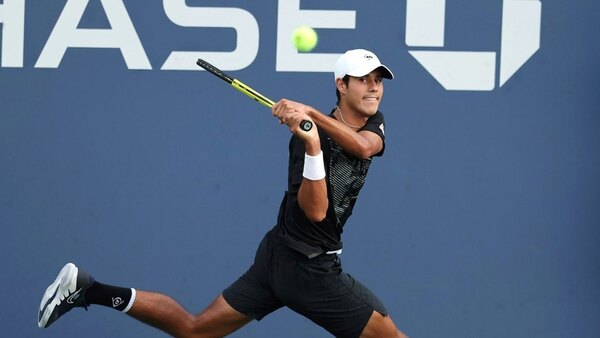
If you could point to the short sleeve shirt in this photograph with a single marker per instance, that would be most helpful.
(345, 176)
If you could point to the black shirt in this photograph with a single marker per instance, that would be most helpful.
(345, 176)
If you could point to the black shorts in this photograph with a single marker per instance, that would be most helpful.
(315, 288)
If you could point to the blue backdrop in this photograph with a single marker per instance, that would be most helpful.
(481, 220)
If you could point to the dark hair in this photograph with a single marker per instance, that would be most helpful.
(346, 80)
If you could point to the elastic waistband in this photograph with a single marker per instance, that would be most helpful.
(283, 249)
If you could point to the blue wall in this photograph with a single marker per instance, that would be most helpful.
(481, 220)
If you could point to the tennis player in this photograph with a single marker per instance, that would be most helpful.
(297, 264)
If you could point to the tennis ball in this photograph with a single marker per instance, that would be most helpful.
(304, 38)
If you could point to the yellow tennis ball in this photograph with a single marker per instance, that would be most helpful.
(304, 38)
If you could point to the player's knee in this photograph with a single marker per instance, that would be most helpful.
(198, 328)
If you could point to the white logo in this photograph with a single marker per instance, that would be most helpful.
(469, 70)
(425, 28)
(116, 301)
(72, 298)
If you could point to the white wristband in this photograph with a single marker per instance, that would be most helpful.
(314, 168)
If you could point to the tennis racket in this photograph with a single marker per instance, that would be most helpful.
(239, 85)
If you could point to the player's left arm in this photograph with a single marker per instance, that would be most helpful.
(362, 144)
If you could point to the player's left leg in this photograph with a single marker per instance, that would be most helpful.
(163, 312)
(74, 287)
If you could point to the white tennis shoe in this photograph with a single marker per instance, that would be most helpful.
(67, 292)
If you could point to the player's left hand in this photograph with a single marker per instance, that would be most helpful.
(288, 112)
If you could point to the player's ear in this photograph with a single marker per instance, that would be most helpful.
(341, 86)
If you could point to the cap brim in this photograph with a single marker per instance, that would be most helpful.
(385, 71)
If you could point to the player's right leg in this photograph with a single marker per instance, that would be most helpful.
(75, 288)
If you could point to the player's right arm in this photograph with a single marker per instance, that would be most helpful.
(312, 193)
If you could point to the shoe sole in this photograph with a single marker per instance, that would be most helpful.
(65, 282)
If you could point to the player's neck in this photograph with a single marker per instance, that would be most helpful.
(349, 117)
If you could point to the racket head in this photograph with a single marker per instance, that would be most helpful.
(214, 70)
(242, 87)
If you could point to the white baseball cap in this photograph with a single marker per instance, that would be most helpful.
(359, 62)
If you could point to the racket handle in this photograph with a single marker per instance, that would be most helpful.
(306, 125)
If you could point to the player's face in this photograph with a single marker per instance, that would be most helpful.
(363, 94)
